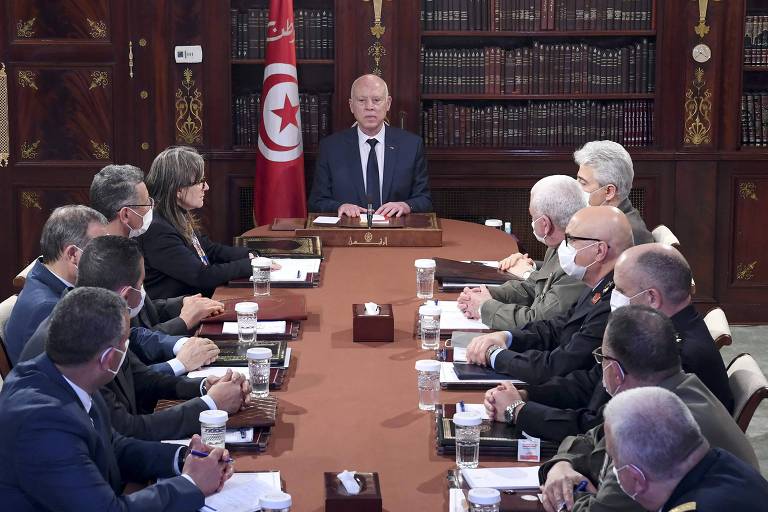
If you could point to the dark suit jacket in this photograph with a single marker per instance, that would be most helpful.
(173, 267)
(131, 397)
(55, 457)
(560, 345)
(339, 172)
(571, 405)
(639, 231)
(162, 315)
(42, 290)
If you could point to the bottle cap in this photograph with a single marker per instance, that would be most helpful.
(214, 417)
(484, 496)
(430, 310)
(425, 263)
(261, 262)
(494, 223)
(428, 365)
(276, 500)
(246, 307)
(467, 419)
(258, 353)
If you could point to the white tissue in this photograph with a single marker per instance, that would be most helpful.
(371, 308)
(347, 478)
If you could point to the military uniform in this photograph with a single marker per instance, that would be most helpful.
(639, 230)
(547, 292)
(587, 454)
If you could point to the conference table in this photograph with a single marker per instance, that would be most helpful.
(354, 406)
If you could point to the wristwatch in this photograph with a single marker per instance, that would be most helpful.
(488, 353)
(509, 412)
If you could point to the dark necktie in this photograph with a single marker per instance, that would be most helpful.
(372, 188)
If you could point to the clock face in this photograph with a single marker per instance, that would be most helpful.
(701, 53)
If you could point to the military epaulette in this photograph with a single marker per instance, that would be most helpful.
(599, 295)
(685, 507)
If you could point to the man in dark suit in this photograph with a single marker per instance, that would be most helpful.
(594, 239)
(65, 234)
(59, 450)
(655, 275)
(371, 160)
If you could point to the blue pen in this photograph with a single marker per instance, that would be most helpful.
(461, 406)
(582, 486)
(203, 454)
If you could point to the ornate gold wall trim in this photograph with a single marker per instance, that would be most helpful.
(29, 151)
(748, 190)
(101, 150)
(97, 29)
(745, 271)
(28, 79)
(30, 199)
(5, 144)
(99, 79)
(189, 111)
(698, 111)
(25, 29)
(377, 50)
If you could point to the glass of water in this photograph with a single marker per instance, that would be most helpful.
(246, 321)
(494, 223)
(429, 321)
(428, 381)
(467, 439)
(213, 426)
(258, 369)
(261, 276)
(484, 499)
(425, 278)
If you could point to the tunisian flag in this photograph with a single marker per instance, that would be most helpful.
(279, 183)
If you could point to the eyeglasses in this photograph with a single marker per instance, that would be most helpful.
(198, 182)
(571, 238)
(600, 357)
(150, 205)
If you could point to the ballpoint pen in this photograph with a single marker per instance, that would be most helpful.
(198, 453)
(579, 488)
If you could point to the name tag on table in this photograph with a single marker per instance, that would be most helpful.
(277, 327)
(326, 220)
(528, 449)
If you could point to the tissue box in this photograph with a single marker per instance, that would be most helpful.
(379, 327)
(337, 499)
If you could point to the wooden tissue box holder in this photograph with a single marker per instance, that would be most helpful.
(379, 327)
(338, 500)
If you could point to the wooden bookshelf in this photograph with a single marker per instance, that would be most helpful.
(541, 34)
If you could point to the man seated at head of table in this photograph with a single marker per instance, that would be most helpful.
(655, 275)
(59, 450)
(640, 349)
(132, 396)
(371, 160)
(547, 291)
(594, 239)
(118, 192)
(65, 234)
(664, 463)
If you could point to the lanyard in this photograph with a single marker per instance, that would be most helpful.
(200, 252)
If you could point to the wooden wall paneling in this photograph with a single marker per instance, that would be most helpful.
(217, 74)
(670, 90)
(732, 56)
(187, 80)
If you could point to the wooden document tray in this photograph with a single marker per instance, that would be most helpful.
(414, 230)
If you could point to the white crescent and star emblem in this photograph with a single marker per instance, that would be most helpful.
(280, 126)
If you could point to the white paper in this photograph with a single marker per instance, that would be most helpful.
(487, 263)
(459, 355)
(503, 478)
(378, 219)
(448, 376)
(294, 269)
(219, 371)
(275, 327)
(242, 492)
(453, 319)
(232, 436)
(468, 285)
(326, 220)
(478, 409)
(457, 502)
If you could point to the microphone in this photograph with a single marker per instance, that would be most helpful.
(370, 211)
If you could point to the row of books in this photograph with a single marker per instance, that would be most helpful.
(535, 15)
(540, 69)
(754, 119)
(756, 40)
(536, 123)
(315, 112)
(313, 31)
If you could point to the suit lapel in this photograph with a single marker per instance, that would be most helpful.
(390, 159)
(357, 165)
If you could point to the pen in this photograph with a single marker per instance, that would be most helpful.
(298, 274)
(203, 454)
(579, 488)
(461, 406)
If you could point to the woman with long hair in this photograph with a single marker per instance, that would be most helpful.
(178, 259)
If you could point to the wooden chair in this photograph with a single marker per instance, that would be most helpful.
(5, 313)
(21, 277)
(663, 235)
(749, 387)
(718, 327)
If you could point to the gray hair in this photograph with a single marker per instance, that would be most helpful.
(611, 162)
(666, 269)
(363, 77)
(652, 429)
(67, 225)
(558, 197)
(114, 187)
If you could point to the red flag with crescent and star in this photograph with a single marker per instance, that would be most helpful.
(279, 183)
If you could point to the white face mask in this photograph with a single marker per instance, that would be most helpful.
(135, 311)
(616, 474)
(588, 195)
(533, 227)
(605, 385)
(619, 300)
(146, 220)
(567, 256)
(122, 356)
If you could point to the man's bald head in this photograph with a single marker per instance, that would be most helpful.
(605, 223)
(655, 266)
(369, 80)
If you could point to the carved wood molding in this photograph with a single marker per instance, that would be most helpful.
(29, 151)
(28, 79)
(25, 29)
(698, 111)
(30, 199)
(97, 29)
(746, 271)
(189, 111)
(99, 79)
(101, 150)
(5, 145)
(748, 190)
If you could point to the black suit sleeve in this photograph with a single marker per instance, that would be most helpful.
(421, 198)
(321, 196)
(220, 253)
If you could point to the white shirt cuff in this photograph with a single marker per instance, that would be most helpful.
(177, 367)
(209, 402)
(179, 343)
(176, 468)
(492, 361)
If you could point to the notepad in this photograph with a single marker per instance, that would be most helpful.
(453, 319)
(478, 409)
(231, 436)
(242, 492)
(219, 371)
(503, 478)
(448, 376)
(326, 220)
(378, 219)
(274, 327)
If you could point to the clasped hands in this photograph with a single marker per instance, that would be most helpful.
(231, 392)
(477, 350)
(211, 472)
(391, 209)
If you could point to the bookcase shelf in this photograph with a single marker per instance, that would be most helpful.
(751, 68)
(300, 62)
(539, 33)
(525, 97)
(754, 93)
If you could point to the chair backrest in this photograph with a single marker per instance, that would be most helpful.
(718, 327)
(663, 235)
(21, 277)
(5, 313)
(749, 387)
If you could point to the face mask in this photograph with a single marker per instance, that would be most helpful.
(619, 300)
(616, 474)
(135, 311)
(567, 256)
(605, 385)
(588, 195)
(122, 356)
(146, 220)
(533, 227)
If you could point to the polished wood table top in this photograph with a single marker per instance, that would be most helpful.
(352, 405)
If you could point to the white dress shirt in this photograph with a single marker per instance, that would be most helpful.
(365, 150)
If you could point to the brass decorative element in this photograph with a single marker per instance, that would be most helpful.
(701, 28)
(143, 95)
(748, 190)
(29, 151)
(130, 59)
(698, 111)
(142, 42)
(377, 51)
(30, 199)
(25, 28)
(368, 240)
(746, 271)
(97, 29)
(189, 111)
(145, 146)
(377, 30)
(99, 79)
(27, 79)
(100, 150)
(5, 144)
